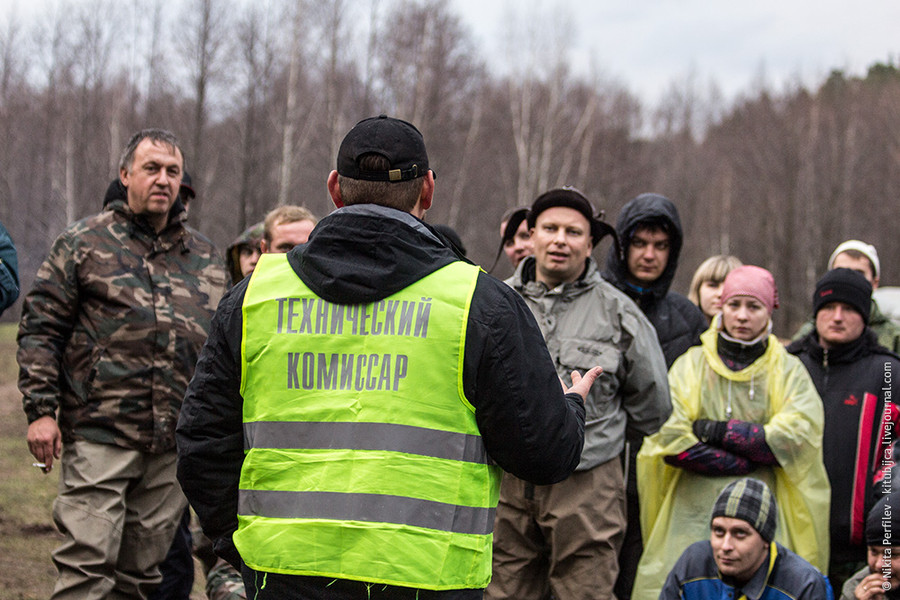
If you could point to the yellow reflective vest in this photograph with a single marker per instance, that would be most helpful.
(363, 459)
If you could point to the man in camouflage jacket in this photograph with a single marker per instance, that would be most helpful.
(109, 337)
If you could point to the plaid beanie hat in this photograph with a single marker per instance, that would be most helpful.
(847, 286)
(749, 500)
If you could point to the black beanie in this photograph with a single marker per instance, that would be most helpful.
(569, 197)
(844, 285)
(883, 522)
(749, 500)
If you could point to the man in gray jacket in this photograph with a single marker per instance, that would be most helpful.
(564, 538)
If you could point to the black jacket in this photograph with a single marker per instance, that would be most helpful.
(854, 381)
(361, 254)
(678, 321)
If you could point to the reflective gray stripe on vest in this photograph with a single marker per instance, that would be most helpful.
(372, 508)
(365, 436)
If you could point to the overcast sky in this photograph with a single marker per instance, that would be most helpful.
(646, 44)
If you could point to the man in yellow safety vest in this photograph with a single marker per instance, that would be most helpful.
(359, 396)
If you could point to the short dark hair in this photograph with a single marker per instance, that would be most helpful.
(401, 195)
(158, 136)
(652, 224)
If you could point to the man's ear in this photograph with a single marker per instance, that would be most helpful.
(123, 176)
(263, 246)
(427, 194)
(334, 189)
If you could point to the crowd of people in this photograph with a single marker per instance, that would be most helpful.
(353, 409)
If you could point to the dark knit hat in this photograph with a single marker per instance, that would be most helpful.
(844, 285)
(883, 522)
(569, 197)
(396, 140)
(750, 500)
(187, 186)
(513, 218)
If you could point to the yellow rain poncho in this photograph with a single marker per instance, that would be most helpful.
(676, 503)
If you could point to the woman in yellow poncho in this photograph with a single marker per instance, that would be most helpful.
(740, 404)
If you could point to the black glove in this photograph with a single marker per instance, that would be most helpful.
(710, 432)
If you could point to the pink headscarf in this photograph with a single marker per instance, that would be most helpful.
(751, 281)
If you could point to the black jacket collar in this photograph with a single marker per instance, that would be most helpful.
(850, 352)
(364, 253)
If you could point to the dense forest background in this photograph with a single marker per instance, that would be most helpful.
(261, 93)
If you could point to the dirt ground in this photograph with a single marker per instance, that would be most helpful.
(27, 533)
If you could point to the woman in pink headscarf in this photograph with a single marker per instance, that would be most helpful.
(740, 404)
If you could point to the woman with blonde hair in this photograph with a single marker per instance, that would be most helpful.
(706, 285)
(740, 404)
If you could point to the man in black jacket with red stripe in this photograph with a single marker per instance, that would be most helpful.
(853, 375)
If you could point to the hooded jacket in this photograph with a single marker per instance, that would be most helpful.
(677, 320)
(361, 254)
(249, 237)
(854, 381)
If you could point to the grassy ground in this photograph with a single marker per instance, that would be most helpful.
(27, 533)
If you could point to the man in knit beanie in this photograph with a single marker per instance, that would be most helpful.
(861, 257)
(842, 287)
(854, 376)
(741, 558)
(564, 539)
(880, 578)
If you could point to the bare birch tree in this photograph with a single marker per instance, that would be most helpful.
(290, 108)
(256, 39)
(204, 35)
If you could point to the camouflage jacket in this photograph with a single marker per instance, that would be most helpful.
(112, 328)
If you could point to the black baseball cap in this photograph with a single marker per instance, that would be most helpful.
(396, 140)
